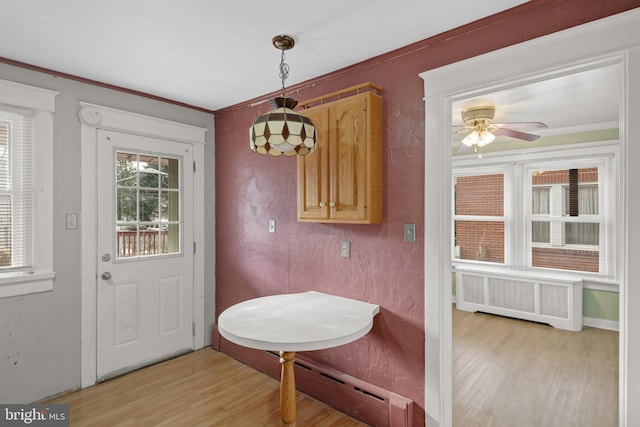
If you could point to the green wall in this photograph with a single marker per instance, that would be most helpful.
(600, 304)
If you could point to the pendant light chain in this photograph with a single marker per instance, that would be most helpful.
(284, 71)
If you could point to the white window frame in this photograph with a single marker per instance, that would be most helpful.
(475, 171)
(607, 188)
(564, 218)
(42, 101)
(517, 168)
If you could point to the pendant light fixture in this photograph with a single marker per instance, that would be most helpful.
(282, 130)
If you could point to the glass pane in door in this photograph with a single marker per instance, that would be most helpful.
(148, 205)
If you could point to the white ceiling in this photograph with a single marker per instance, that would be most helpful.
(214, 54)
(581, 101)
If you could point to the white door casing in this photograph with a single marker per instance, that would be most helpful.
(145, 270)
(95, 119)
(604, 42)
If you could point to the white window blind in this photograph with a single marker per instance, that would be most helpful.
(17, 197)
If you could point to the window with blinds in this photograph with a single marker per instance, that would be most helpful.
(26, 189)
(17, 198)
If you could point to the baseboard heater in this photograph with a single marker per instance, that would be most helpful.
(368, 403)
(538, 297)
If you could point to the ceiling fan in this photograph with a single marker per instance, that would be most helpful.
(481, 131)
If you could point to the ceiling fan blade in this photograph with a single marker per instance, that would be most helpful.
(521, 125)
(515, 134)
(462, 131)
(463, 148)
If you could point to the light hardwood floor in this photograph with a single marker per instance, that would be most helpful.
(203, 388)
(510, 373)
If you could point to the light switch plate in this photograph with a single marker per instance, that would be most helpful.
(345, 249)
(272, 226)
(410, 233)
(71, 221)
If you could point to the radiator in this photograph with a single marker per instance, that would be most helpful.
(523, 295)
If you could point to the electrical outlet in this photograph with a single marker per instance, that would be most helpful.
(345, 249)
(410, 233)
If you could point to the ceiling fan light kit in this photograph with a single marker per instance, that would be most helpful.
(483, 113)
(481, 131)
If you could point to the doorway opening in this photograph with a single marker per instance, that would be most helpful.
(534, 234)
(609, 41)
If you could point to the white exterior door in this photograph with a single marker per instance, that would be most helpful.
(145, 262)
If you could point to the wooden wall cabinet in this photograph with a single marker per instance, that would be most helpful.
(342, 181)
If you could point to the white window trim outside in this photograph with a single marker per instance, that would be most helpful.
(43, 102)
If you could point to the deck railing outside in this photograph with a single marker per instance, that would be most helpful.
(151, 242)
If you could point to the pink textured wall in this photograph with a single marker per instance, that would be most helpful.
(251, 189)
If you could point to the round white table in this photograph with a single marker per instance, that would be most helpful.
(295, 322)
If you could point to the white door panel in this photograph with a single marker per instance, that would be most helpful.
(145, 249)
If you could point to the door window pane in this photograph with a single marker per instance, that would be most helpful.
(126, 170)
(170, 173)
(148, 205)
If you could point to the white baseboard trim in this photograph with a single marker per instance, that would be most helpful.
(593, 322)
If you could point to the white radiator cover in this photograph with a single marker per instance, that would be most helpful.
(525, 295)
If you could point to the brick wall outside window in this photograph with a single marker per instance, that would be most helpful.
(562, 176)
(566, 259)
(481, 195)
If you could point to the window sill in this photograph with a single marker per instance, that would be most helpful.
(24, 284)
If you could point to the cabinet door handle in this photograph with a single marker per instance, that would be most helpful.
(322, 204)
(332, 204)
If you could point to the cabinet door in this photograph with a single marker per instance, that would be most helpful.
(313, 188)
(348, 159)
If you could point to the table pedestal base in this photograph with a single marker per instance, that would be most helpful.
(287, 389)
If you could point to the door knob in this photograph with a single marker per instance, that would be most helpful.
(106, 275)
